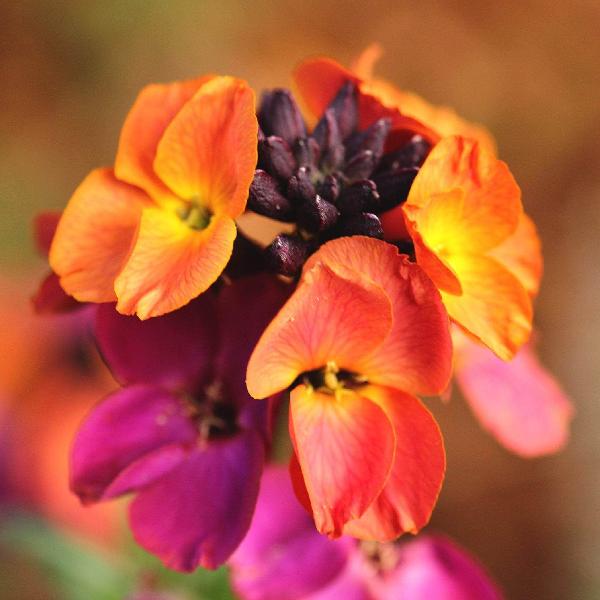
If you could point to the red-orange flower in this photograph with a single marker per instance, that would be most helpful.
(364, 331)
(159, 229)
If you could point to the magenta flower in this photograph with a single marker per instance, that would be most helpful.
(284, 558)
(182, 433)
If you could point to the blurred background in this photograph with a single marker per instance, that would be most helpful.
(527, 70)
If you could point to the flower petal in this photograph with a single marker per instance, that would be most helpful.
(94, 236)
(518, 402)
(416, 356)
(199, 512)
(521, 254)
(345, 447)
(172, 263)
(175, 351)
(209, 151)
(123, 428)
(328, 318)
(435, 567)
(51, 298)
(406, 502)
(494, 306)
(463, 199)
(155, 107)
(318, 81)
(44, 228)
(283, 556)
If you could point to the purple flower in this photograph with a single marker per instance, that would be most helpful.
(182, 433)
(284, 558)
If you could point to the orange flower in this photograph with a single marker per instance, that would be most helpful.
(159, 229)
(364, 331)
(463, 206)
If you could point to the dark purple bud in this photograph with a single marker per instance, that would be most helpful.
(261, 134)
(279, 115)
(372, 139)
(327, 135)
(362, 224)
(306, 151)
(360, 197)
(360, 166)
(329, 188)
(300, 187)
(345, 109)
(275, 157)
(317, 215)
(266, 199)
(393, 186)
(286, 254)
(411, 154)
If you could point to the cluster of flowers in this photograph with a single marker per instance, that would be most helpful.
(404, 257)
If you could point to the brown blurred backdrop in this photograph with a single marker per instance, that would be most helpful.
(529, 70)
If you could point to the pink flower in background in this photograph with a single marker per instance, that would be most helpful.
(284, 558)
(519, 402)
(183, 432)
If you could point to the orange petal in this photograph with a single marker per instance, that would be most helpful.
(94, 236)
(519, 402)
(345, 447)
(319, 79)
(171, 263)
(328, 318)
(521, 254)
(154, 108)
(494, 306)
(208, 153)
(407, 500)
(417, 354)
(463, 198)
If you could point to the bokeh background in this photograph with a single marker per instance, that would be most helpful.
(528, 70)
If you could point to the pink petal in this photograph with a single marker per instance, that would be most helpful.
(518, 402)
(199, 512)
(125, 427)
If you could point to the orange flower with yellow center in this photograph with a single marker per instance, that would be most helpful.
(363, 332)
(158, 230)
(463, 213)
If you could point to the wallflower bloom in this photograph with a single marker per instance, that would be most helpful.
(364, 330)
(283, 558)
(463, 213)
(183, 432)
(159, 229)
(519, 402)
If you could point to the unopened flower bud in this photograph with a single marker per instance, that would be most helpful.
(286, 254)
(265, 198)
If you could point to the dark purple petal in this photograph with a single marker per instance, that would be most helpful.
(199, 512)
(51, 298)
(172, 350)
(266, 199)
(125, 427)
(434, 567)
(283, 557)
